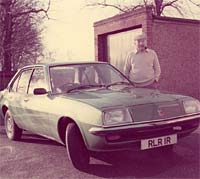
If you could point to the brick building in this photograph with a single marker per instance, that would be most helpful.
(176, 41)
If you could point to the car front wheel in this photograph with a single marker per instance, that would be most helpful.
(77, 151)
(13, 132)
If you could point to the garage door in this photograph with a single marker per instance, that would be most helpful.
(119, 45)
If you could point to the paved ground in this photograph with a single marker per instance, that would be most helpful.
(37, 158)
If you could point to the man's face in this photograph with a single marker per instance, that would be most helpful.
(141, 44)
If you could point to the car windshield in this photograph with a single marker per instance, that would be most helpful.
(68, 78)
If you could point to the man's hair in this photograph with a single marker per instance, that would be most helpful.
(140, 36)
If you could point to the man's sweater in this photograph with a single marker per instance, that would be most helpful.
(142, 67)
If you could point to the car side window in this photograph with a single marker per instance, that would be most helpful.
(37, 80)
(24, 81)
(14, 84)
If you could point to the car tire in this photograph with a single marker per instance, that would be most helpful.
(76, 149)
(13, 132)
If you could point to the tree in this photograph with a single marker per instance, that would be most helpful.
(19, 22)
(159, 6)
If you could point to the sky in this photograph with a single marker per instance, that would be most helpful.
(70, 35)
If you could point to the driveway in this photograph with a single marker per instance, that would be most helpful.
(35, 157)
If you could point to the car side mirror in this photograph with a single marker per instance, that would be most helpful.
(39, 91)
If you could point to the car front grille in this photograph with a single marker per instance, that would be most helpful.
(150, 112)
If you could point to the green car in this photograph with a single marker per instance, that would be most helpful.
(91, 106)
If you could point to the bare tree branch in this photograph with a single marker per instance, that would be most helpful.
(168, 4)
(194, 3)
(123, 8)
(145, 2)
(34, 11)
(178, 9)
(106, 5)
(158, 6)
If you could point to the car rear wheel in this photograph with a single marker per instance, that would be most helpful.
(77, 151)
(13, 132)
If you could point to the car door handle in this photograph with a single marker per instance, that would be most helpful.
(26, 99)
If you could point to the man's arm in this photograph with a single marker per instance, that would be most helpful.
(127, 66)
(156, 66)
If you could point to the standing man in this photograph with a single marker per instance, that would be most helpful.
(143, 67)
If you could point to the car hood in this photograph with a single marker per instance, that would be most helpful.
(143, 104)
(106, 98)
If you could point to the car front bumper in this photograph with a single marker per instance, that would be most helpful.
(130, 136)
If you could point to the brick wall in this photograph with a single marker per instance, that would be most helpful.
(176, 41)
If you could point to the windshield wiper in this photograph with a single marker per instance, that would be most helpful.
(85, 87)
(118, 83)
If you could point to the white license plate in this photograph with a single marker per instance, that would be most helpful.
(158, 141)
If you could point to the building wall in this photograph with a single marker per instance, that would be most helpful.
(176, 41)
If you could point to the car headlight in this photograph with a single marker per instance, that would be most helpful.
(191, 106)
(117, 116)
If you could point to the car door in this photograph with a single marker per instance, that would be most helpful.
(16, 97)
(37, 107)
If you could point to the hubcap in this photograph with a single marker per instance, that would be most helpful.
(9, 126)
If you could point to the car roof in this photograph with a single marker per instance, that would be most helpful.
(49, 64)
